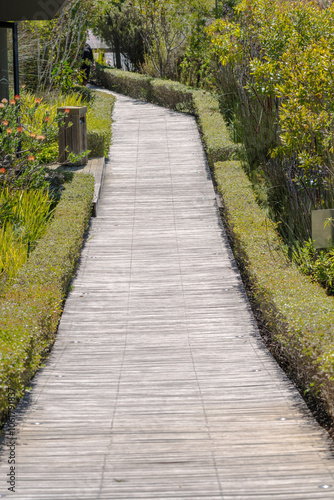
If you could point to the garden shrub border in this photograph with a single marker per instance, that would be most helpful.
(31, 307)
(178, 97)
(298, 312)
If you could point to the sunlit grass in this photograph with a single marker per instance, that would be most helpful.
(23, 218)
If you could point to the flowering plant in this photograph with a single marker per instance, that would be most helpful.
(22, 138)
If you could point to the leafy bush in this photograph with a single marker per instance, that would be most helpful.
(274, 74)
(167, 93)
(99, 124)
(31, 308)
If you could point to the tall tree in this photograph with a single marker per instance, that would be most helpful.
(120, 25)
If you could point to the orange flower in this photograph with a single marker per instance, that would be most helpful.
(2, 170)
(4, 101)
(2, 105)
(40, 137)
(12, 102)
(9, 131)
(47, 119)
(23, 86)
(17, 97)
(20, 129)
(32, 135)
(31, 158)
(38, 101)
(5, 123)
(67, 111)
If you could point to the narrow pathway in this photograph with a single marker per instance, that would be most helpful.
(159, 386)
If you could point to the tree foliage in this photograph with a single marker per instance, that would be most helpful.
(277, 56)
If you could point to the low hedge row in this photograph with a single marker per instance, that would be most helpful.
(99, 119)
(174, 95)
(30, 309)
(167, 93)
(299, 313)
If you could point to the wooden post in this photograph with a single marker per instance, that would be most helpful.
(73, 134)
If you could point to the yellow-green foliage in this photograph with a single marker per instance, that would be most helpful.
(49, 106)
(299, 312)
(13, 253)
(99, 124)
(24, 215)
(284, 50)
(31, 308)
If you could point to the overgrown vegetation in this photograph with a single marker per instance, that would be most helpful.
(274, 73)
(23, 218)
(31, 307)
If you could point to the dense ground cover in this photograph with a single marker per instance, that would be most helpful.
(299, 313)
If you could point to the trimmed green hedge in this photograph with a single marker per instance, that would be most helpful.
(167, 93)
(99, 119)
(174, 95)
(30, 309)
(299, 313)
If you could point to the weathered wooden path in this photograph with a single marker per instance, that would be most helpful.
(159, 386)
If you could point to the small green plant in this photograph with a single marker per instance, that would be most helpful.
(318, 264)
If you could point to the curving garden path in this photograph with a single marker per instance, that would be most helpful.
(159, 386)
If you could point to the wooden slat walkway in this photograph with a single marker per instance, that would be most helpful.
(159, 386)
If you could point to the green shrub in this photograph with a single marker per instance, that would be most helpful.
(167, 93)
(179, 97)
(86, 93)
(173, 95)
(218, 144)
(99, 124)
(298, 312)
(318, 264)
(125, 82)
(31, 308)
